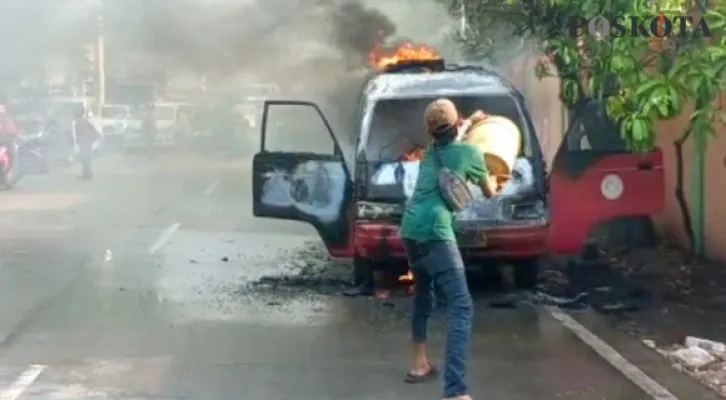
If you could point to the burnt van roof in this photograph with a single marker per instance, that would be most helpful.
(453, 80)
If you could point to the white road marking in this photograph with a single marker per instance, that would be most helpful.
(211, 188)
(163, 238)
(20, 385)
(604, 350)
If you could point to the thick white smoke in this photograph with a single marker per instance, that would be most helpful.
(313, 48)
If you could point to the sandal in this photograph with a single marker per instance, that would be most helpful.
(432, 374)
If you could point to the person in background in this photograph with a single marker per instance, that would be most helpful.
(148, 127)
(9, 134)
(427, 230)
(85, 135)
(411, 151)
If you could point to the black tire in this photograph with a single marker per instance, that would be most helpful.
(362, 270)
(485, 275)
(526, 273)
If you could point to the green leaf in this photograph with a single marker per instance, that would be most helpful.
(716, 19)
(694, 73)
(615, 107)
(640, 131)
(663, 110)
(647, 107)
(676, 101)
(647, 88)
(625, 128)
(618, 62)
(716, 53)
(693, 82)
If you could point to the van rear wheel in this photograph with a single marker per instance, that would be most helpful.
(362, 271)
(526, 273)
(362, 278)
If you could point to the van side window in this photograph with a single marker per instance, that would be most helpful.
(297, 129)
(594, 131)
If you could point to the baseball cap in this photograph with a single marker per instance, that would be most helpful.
(440, 113)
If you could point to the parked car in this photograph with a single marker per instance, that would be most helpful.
(170, 127)
(114, 121)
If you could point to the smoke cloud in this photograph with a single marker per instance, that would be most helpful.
(312, 48)
(270, 39)
(224, 39)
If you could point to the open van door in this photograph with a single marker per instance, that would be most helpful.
(300, 174)
(594, 179)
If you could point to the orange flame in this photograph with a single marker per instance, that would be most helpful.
(406, 278)
(406, 52)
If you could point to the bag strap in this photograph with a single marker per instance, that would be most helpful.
(435, 150)
(442, 143)
(437, 157)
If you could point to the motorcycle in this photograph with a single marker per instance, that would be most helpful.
(33, 152)
(9, 174)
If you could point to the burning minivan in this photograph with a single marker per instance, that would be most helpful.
(356, 202)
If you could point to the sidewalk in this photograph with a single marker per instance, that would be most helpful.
(658, 295)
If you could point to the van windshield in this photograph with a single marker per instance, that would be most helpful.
(396, 126)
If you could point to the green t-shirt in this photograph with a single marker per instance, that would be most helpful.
(427, 216)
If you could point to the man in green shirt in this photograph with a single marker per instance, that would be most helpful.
(427, 231)
(427, 215)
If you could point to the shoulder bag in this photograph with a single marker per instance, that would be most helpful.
(453, 188)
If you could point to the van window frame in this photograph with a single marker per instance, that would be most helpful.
(529, 139)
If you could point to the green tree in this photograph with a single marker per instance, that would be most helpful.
(643, 79)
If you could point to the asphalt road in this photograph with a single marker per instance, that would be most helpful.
(136, 286)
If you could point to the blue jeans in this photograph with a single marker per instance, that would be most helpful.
(437, 265)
